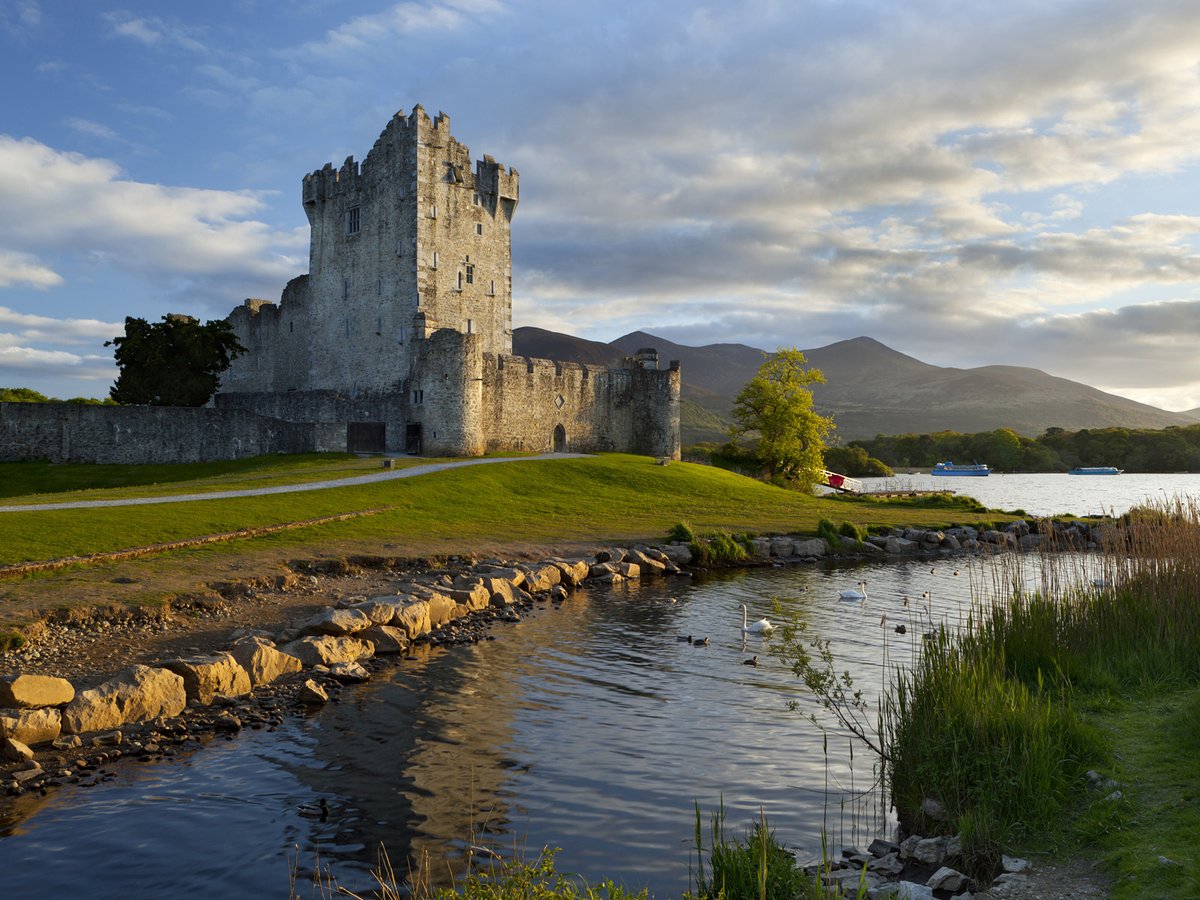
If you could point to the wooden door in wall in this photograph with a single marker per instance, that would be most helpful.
(412, 439)
(560, 439)
(366, 437)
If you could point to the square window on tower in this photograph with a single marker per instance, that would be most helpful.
(470, 274)
(353, 220)
(479, 228)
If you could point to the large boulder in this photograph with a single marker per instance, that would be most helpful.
(135, 695)
(441, 609)
(380, 610)
(810, 547)
(514, 576)
(413, 618)
(573, 571)
(385, 639)
(14, 750)
(473, 598)
(35, 691)
(541, 577)
(503, 592)
(680, 554)
(646, 563)
(31, 726)
(262, 661)
(337, 622)
(204, 677)
(325, 650)
(783, 547)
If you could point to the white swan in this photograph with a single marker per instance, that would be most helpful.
(852, 594)
(762, 626)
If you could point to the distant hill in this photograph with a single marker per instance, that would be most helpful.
(871, 389)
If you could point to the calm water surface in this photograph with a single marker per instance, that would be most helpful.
(1051, 495)
(590, 727)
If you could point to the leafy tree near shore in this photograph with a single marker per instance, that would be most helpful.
(777, 405)
(855, 462)
(176, 362)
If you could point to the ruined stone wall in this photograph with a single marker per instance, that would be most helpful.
(74, 433)
(598, 409)
(327, 408)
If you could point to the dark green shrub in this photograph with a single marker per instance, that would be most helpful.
(682, 532)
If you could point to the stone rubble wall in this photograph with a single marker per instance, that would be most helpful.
(79, 433)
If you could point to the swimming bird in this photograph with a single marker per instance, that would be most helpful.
(319, 811)
(852, 594)
(752, 661)
(700, 642)
(681, 638)
(900, 629)
(762, 626)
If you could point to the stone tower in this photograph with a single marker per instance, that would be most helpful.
(399, 338)
(410, 241)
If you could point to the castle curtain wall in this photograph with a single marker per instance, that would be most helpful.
(76, 433)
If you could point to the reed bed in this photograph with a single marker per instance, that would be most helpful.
(988, 722)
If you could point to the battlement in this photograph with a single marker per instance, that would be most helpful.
(254, 306)
(397, 144)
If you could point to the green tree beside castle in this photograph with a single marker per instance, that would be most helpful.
(175, 362)
(776, 405)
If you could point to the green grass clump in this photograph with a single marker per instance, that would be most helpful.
(681, 532)
(719, 548)
(829, 531)
(1005, 758)
(854, 532)
(754, 867)
(517, 879)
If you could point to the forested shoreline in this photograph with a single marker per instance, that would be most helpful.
(1173, 449)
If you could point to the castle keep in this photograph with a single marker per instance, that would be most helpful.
(402, 329)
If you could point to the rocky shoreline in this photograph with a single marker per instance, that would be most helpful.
(64, 724)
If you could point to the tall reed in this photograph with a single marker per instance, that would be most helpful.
(986, 723)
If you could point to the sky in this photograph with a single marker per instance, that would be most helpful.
(972, 184)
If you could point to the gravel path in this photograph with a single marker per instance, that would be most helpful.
(384, 475)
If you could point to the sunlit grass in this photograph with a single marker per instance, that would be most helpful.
(609, 497)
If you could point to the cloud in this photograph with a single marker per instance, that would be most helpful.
(25, 269)
(381, 30)
(33, 327)
(66, 204)
(153, 31)
(91, 129)
(20, 17)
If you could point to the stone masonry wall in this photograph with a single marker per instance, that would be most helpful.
(526, 400)
(67, 432)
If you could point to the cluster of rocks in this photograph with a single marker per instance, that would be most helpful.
(1016, 535)
(918, 868)
(260, 676)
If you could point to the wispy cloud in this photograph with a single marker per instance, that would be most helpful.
(381, 30)
(152, 31)
(20, 17)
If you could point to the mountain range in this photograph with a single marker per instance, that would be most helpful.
(870, 389)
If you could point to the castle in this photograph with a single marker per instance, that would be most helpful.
(402, 329)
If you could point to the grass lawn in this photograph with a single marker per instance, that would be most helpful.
(610, 497)
(1151, 835)
(30, 482)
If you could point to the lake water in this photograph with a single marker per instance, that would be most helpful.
(589, 727)
(1051, 495)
